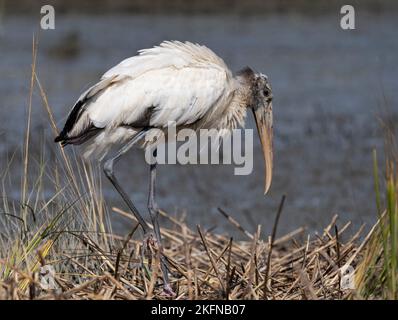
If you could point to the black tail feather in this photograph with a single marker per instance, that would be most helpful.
(59, 138)
(77, 111)
(89, 133)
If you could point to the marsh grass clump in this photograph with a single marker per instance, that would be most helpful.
(378, 272)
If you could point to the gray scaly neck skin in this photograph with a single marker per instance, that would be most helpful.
(242, 99)
(236, 104)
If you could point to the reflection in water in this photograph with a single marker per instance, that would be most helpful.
(327, 85)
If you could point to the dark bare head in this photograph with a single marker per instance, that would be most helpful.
(259, 100)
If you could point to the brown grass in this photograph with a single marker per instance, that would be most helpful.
(203, 265)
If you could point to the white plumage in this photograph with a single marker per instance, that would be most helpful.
(185, 84)
(179, 82)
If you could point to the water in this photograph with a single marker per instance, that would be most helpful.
(328, 86)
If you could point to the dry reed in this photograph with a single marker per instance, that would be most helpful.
(203, 265)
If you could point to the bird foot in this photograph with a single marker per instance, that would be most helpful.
(150, 246)
(168, 291)
(150, 241)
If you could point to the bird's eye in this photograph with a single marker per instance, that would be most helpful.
(266, 92)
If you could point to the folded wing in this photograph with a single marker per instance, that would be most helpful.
(179, 82)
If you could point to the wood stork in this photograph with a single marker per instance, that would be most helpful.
(184, 83)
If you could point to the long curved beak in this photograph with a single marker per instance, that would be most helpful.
(264, 122)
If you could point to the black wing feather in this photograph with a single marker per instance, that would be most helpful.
(76, 113)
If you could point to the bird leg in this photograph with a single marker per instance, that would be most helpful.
(154, 213)
(109, 172)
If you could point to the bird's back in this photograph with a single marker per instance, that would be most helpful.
(180, 82)
(168, 54)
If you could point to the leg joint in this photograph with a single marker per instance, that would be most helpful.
(108, 168)
(153, 208)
